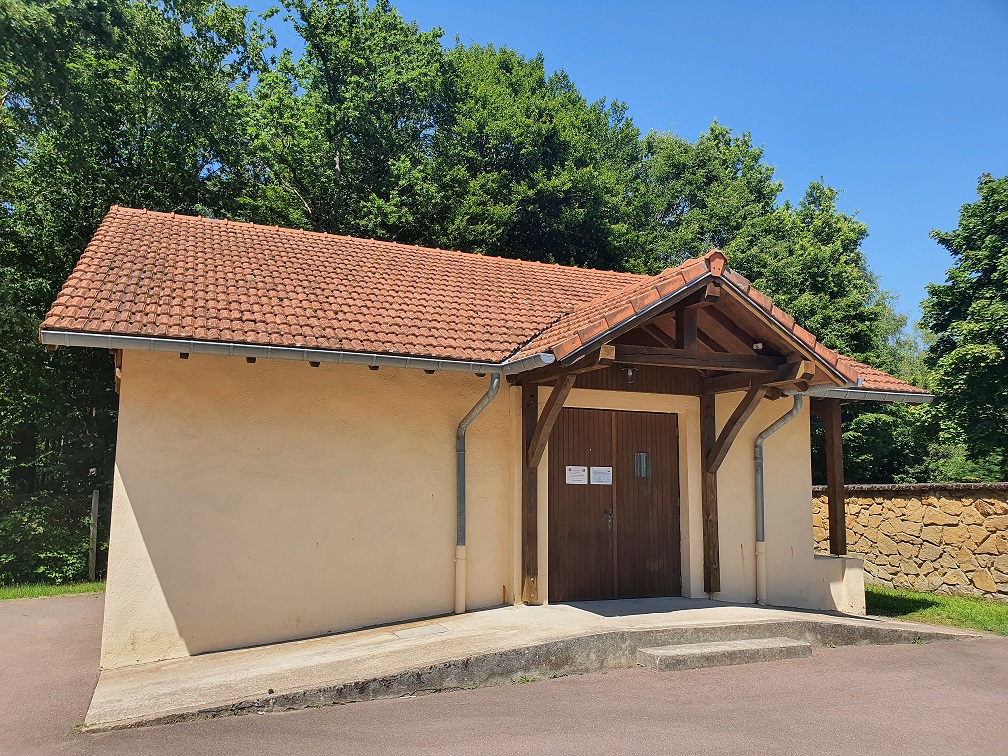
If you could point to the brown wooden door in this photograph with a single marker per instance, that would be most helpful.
(580, 531)
(619, 540)
(646, 484)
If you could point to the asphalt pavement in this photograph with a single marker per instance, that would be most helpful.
(936, 698)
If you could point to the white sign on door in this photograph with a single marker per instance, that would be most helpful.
(577, 475)
(601, 476)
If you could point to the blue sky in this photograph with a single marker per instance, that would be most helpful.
(901, 105)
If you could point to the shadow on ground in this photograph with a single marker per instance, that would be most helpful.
(897, 606)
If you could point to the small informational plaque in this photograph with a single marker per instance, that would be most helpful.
(577, 475)
(601, 476)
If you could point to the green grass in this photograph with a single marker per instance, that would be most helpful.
(938, 609)
(34, 590)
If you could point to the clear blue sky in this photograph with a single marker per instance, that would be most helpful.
(900, 105)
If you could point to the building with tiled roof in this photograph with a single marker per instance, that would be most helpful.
(415, 431)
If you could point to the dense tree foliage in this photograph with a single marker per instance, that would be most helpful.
(378, 129)
(103, 102)
(968, 315)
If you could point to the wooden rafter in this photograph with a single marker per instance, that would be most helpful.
(728, 338)
(659, 335)
(691, 358)
(712, 344)
(548, 417)
(729, 324)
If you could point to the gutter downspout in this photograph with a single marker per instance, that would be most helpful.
(791, 414)
(460, 491)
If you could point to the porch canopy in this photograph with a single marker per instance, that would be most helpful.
(166, 282)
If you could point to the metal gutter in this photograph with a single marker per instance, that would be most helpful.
(779, 423)
(233, 349)
(868, 395)
(460, 491)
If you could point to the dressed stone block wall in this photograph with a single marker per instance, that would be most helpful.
(950, 538)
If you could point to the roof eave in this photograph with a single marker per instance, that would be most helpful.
(869, 395)
(56, 337)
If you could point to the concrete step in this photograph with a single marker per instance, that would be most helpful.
(721, 653)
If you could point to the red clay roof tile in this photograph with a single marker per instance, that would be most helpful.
(177, 276)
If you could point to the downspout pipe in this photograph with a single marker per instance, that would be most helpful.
(460, 491)
(799, 401)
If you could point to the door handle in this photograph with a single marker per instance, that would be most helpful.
(608, 518)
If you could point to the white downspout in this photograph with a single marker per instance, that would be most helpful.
(799, 400)
(460, 492)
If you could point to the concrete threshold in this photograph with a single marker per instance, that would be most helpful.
(489, 647)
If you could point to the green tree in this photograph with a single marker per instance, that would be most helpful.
(968, 315)
(699, 195)
(718, 192)
(339, 138)
(526, 167)
(103, 102)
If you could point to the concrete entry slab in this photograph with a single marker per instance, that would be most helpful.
(469, 650)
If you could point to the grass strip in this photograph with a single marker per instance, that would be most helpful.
(938, 609)
(34, 590)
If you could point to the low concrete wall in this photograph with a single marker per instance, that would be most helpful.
(949, 538)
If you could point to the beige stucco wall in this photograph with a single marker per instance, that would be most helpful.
(262, 502)
(795, 577)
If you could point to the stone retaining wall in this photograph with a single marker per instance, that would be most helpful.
(950, 538)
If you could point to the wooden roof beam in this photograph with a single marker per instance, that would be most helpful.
(790, 375)
(659, 335)
(601, 358)
(691, 358)
(729, 324)
(729, 338)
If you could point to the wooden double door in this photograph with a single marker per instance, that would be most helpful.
(613, 505)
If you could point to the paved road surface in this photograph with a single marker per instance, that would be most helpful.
(943, 698)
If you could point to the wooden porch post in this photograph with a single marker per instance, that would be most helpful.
(529, 502)
(830, 412)
(708, 485)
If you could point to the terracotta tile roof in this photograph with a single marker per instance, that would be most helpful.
(875, 380)
(174, 276)
(576, 328)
